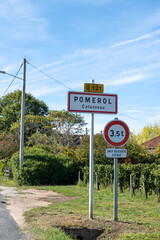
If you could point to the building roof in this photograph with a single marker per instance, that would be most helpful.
(153, 143)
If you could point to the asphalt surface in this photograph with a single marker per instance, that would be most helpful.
(9, 229)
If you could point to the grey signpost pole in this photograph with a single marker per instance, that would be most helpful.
(115, 189)
(91, 164)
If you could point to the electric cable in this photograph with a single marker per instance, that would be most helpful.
(49, 76)
(12, 80)
(133, 118)
(71, 89)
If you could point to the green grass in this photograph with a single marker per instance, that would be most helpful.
(49, 234)
(144, 236)
(138, 218)
(6, 182)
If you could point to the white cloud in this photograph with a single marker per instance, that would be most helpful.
(152, 108)
(154, 118)
(132, 111)
(11, 68)
(157, 32)
(22, 20)
(41, 91)
(57, 106)
(125, 80)
(45, 67)
(19, 11)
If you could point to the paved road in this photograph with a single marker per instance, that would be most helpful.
(9, 229)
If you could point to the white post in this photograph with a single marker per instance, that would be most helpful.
(91, 164)
(21, 153)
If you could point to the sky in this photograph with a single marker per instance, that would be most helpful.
(114, 42)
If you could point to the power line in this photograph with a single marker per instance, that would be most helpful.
(12, 80)
(133, 118)
(49, 76)
(71, 89)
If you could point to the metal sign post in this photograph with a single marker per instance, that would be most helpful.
(116, 134)
(115, 189)
(91, 157)
(91, 166)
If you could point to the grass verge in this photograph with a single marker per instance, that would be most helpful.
(139, 218)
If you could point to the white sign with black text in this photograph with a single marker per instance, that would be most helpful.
(92, 102)
(116, 153)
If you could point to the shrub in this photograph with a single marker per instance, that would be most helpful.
(42, 168)
(2, 164)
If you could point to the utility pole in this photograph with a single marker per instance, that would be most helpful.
(21, 153)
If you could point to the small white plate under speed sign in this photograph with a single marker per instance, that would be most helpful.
(116, 153)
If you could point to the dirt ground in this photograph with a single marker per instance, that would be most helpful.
(20, 201)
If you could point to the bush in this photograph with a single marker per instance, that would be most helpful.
(2, 164)
(42, 168)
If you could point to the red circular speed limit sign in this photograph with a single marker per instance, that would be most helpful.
(116, 133)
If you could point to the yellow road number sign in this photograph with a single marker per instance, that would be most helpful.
(90, 87)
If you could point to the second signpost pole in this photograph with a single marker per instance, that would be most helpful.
(115, 189)
(91, 164)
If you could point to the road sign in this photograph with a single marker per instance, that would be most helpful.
(92, 102)
(116, 153)
(116, 133)
(90, 87)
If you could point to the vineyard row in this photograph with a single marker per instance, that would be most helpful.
(140, 177)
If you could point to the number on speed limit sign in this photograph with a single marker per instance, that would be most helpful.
(116, 133)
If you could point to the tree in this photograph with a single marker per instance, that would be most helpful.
(100, 146)
(9, 143)
(44, 141)
(136, 153)
(149, 132)
(32, 125)
(10, 108)
(67, 126)
(53, 132)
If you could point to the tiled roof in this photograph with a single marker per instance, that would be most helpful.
(153, 143)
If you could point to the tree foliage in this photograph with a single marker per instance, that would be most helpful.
(136, 153)
(10, 108)
(60, 129)
(44, 141)
(148, 132)
(9, 143)
(33, 124)
(100, 146)
(67, 126)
